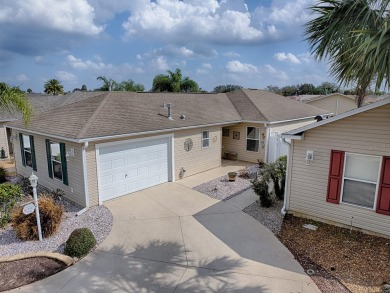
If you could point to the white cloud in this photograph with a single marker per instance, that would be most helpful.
(22, 77)
(78, 63)
(204, 69)
(231, 54)
(70, 16)
(159, 63)
(138, 56)
(228, 21)
(66, 76)
(238, 67)
(276, 74)
(287, 57)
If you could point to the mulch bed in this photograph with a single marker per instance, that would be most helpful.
(22, 272)
(339, 258)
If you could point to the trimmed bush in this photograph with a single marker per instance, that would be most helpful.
(50, 215)
(3, 173)
(10, 194)
(79, 243)
(260, 187)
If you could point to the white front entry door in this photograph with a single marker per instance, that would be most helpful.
(132, 166)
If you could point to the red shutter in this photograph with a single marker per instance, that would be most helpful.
(335, 176)
(383, 206)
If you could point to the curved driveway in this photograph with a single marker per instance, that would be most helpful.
(170, 238)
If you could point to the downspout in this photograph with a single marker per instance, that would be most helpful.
(85, 175)
(266, 147)
(287, 183)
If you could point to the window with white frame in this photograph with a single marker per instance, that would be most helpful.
(252, 139)
(360, 180)
(205, 139)
(56, 160)
(27, 150)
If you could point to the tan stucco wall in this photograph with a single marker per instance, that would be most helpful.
(365, 133)
(336, 104)
(75, 190)
(195, 161)
(239, 146)
(3, 139)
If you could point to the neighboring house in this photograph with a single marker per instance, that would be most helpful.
(120, 142)
(339, 169)
(40, 103)
(336, 103)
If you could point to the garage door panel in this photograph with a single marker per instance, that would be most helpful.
(131, 167)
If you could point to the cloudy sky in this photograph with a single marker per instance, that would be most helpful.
(246, 42)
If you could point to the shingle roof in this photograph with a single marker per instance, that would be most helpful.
(117, 113)
(266, 106)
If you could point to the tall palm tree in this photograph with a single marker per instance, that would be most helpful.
(13, 99)
(108, 84)
(174, 82)
(130, 86)
(355, 36)
(54, 87)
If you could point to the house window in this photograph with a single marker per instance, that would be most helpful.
(56, 160)
(226, 132)
(205, 139)
(252, 139)
(27, 151)
(360, 180)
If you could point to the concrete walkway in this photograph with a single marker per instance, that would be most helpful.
(170, 238)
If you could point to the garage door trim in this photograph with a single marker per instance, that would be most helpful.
(171, 162)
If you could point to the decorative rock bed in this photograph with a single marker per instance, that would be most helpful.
(98, 219)
(223, 189)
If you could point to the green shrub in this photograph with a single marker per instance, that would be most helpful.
(260, 187)
(10, 194)
(50, 215)
(79, 243)
(3, 174)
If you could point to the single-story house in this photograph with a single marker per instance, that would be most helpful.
(40, 103)
(338, 170)
(116, 143)
(336, 103)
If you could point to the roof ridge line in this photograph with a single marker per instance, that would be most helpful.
(265, 116)
(93, 116)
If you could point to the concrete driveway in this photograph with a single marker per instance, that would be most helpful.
(170, 238)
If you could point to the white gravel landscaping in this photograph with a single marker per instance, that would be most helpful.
(223, 189)
(98, 219)
(270, 217)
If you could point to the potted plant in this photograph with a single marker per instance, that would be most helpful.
(232, 176)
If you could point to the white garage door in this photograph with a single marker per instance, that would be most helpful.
(132, 166)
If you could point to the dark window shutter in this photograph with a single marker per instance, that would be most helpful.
(22, 149)
(383, 206)
(34, 161)
(48, 154)
(335, 176)
(63, 164)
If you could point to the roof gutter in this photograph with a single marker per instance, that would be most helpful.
(92, 139)
(284, 121)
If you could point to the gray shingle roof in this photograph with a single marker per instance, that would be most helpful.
(261, 105)
(118, 113)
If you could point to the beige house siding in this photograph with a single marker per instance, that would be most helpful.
(75, 190)
(195, 161)
(287, 126)
(365, 133)
(3, 139)
(239, 146)
(336, 104)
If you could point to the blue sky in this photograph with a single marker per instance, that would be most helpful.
(249, 43)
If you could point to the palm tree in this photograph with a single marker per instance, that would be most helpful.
(54, 87)
(174, 82)
(108, 84)
(355, 36)
(13, 99)
(130, 86)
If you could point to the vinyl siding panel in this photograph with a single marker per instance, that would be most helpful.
(239, 146)
(287, 126)
(195, 161)
(3, 139)
(365, 133)
(336, 104)
(75, 168)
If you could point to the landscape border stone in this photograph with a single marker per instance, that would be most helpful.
(67, 260)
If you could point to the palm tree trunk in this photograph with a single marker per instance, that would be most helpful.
(361, 91)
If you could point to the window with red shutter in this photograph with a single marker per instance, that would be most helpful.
(383, 206)
(335, 176)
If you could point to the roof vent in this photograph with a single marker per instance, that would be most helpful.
(183, 117)
(169, 111)
(318, 118)
(164, 105)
